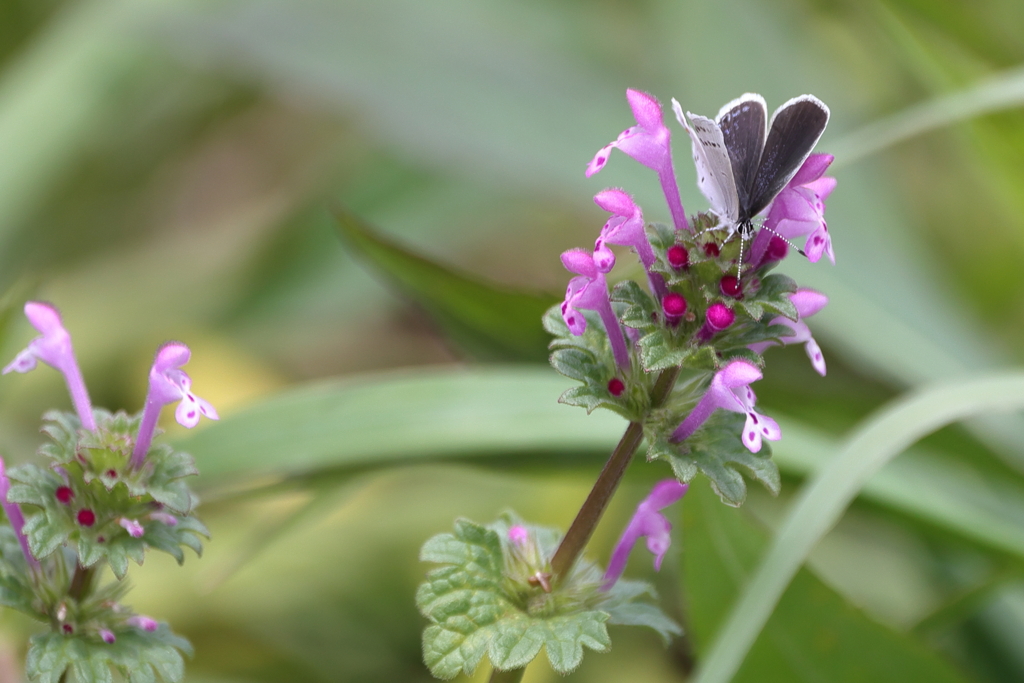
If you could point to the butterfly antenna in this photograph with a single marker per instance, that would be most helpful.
(739, 268)
(786, 240)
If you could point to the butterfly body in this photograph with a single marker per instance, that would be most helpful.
(744, 160)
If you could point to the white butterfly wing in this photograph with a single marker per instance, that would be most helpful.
(714, 168)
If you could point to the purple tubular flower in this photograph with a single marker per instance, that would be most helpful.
(807, 302)
(800, 210)
(15, 517)
(649, 142)
(108, 636)
(54, 348)
(626, 228)
(169, 383)
(590, 291)
(647, 521)
(143, 622)
(730, 390)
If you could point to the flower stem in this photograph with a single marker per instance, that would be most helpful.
(607, 482)
(81, 582)
(510, 676)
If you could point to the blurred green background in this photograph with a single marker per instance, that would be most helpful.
(167, 171)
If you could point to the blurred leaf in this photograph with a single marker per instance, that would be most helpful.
(813, 634)
(499, 416)
(1002, 91)
(488, 322)
(822, 500)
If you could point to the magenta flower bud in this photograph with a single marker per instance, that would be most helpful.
(86, 517)
(169, 383)
(133, 528)
(678, 257)
(518, 535)
(647, 521)
(718, 318)
(649, 142)
(616, 386)
(54, 348)
(108, 636)
(674, 308)
(730, 390)
(730, 286)
(143, 622)
(15, 517)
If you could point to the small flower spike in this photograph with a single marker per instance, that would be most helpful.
(800, 208)
(54, 348)
(649, 142)
(15, 517)
(730, 390)
(807, 302)
(590, 291)
(169, 383)
(647, 521)
(626, 228)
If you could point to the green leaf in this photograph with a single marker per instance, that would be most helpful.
(472, 613)
(822, 500)
(139, 656)
(717, 450)
(813, 635)
(487, 321)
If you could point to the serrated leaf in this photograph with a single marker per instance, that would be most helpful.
(658, 353)
(717, 451)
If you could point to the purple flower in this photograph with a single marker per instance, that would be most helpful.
(518, 535)
(164, 518)
(15, 517)
(132, 526)
(800, 209)
(730, 390)
(590, 291)
(649, 142)
(626, 228)
(108, 636)
(718, 317)
(143, 622)
(807, 302)
(647, 521)
(54, 349)
(169, 383)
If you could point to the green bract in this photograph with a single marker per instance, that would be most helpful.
(490, 598)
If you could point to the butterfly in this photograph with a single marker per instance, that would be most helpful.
(744, 161)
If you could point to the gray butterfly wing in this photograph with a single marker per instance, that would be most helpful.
(714, 168)
(744, 124)
(795, 129)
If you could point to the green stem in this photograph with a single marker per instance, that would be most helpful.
(607, 482)
(510, 676)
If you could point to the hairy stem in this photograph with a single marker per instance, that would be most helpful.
(607, 482)
(510, 676)
(81, 582)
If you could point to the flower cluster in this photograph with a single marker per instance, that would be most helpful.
(107, 496)
(700, 316)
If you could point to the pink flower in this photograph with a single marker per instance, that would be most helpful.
(626, 228)
(143, 622)
(807, 302)
(590, 291)
(15, 517)
(169, 383)
(54, 348)
(647, 521)
(518, 534)
(649, 142)
(108, 636)
(730, 390)
(800, 208)
(132, 526)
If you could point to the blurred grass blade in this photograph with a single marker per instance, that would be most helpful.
(486, 321)
(1003, 91)
(814, 634)
(822, 500)
(502, 415)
